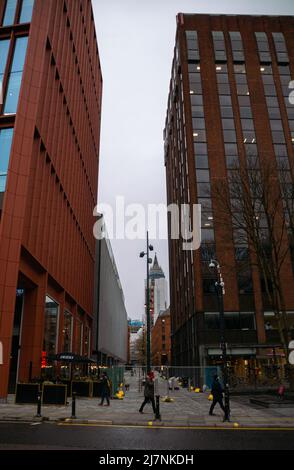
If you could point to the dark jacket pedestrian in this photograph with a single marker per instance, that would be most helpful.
(105, 389)
(148, 394)
(217, 393)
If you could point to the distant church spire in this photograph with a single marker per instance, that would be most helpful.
(156, 272)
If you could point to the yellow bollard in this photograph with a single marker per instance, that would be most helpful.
(210, 397)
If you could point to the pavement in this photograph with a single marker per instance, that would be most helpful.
(188, 409)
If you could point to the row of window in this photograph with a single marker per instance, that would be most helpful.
(11, 16)
(51, 331)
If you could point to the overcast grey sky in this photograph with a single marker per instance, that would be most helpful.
(136, 41)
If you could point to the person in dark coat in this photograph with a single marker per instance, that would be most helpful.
(217, 393)
(105, 390)
(148, 393)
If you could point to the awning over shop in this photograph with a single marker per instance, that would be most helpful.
(70, 357)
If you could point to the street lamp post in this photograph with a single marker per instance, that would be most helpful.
(148, 342)
(220, 290)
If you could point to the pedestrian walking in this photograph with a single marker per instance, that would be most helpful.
(105, 389)
(149, 393)
(217, 393)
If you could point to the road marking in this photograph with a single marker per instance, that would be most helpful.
(35, 424)
(179, 428)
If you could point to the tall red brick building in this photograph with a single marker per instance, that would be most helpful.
(160, 340)
(228, 101)
(49, 154)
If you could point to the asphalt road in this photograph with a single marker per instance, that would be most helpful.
(85, 437)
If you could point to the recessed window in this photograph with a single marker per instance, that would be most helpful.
(199, 136)
(274, 113)
(201, 161)
(245, 112)
(225, 100)
(241, 79)
(200, 149)
(281, 150)
(224, 89)
(228, 124)
(231, 149)
(197, 111)
(244, 101)
(26, 11)
(227, 111)
(205, 204)
(247, 124)
(50, 326)
(203, 189)
(276, 125)
(196, 100)
(230, 136)
(9, 15)
(15, 76)
(202, 176)
(4, 47)
(207, 235)
(240, 68)
(232, 161)
(6, 136)
(198, 123)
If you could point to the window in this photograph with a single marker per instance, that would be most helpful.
(51, 326)
(201, 161)
(232, 320)
(232, 161)
(79, 338)
(15, 76)
(6, 136)
(207, 235)
(67, 332)
(197, 111)
(225, 100)
(227, 111)
(200, 149)
(245, 283)
(228, 123)
(281, 150)
(26, 11)
(224, 89)
(247, 124)
(198, 123)
(247, 321)
(199, 136)
(280, 46)
(231, 149)
(203, 176)
(230, 136)
(211, 320)
(4, 47)
(9, 15)
(203, 189)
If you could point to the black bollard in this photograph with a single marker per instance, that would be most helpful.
(157, 414)
(39, 402)
(73, 405)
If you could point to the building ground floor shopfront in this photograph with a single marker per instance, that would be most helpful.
(253, 366)
(46, 321)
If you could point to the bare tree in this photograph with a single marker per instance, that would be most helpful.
(255, 202)
(140, 348)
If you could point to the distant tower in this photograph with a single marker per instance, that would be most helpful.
(158, 290)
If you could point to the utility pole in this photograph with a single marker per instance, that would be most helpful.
(220, 289)
(148, 319)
